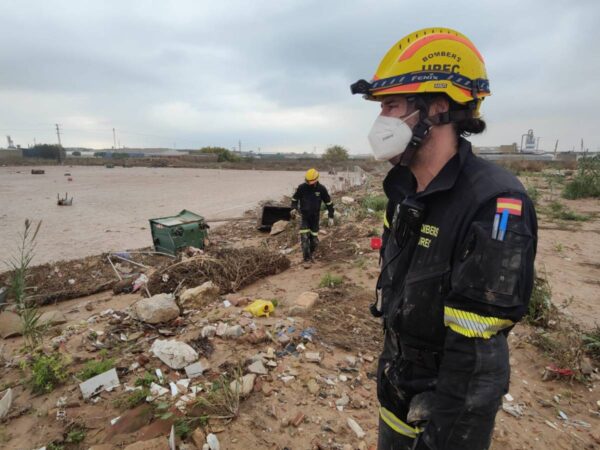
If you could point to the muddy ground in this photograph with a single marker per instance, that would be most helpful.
(299, 404)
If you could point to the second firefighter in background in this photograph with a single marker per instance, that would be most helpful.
(307, 200)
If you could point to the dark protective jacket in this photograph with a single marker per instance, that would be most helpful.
(450, 292)
(309, 198)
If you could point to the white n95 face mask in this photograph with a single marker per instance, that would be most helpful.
(389, 136)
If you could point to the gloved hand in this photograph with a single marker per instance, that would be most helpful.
(330, 222)
(293, 213)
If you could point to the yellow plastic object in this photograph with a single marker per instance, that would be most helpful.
(259, 308)
(433, 60)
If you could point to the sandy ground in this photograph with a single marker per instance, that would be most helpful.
(111, 207)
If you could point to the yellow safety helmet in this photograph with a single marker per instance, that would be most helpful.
(311, 176)
(431, 60)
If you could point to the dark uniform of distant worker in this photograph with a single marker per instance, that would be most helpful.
(459, 240)
(307, 199)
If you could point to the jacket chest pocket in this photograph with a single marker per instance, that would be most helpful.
(489, 270)
(421, 315)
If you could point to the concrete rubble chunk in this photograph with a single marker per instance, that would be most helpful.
(156, 390)
(50, 318)
(304, 302)
(354, 426)
(258, 368)
(312, 357)
(244, 386)
(5, 403)
(156, 309)
(221, 329)
(208, 331)
(234, 332)
(347, 200)
(174, 354)
(201, 295)
(103, 382)
(197, 369)
(10, 325)
(279, 227)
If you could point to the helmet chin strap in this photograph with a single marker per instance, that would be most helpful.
(421, 130)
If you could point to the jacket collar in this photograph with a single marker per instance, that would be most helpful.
(401, 183)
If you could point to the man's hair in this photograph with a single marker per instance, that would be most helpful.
(466, 127)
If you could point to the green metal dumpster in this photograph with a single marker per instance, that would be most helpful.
(171, 234)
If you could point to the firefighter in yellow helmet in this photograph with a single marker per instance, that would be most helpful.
(459, 245)
(307, 199)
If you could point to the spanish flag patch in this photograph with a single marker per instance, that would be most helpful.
(512, 205)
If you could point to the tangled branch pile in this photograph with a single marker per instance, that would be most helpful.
(230, 269)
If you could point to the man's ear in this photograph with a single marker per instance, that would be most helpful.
(439, 105)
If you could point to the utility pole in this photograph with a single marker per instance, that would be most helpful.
(240, 146)
(114, 139)
(59, 156)
(58, 134)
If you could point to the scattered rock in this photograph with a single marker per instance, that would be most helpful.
(160, 443)
(314, 357)
(258, 368)
(343, 401)
(279, 227)
(246, 385)
(313, 386)
(174, 354)
(10, 324)
(221, 329)
(196, 369)
(5, 403)
(156, 309)
(356, 428)
(200, 296)
(234, 331)
(50, 318)
(304, 302)
(587, 367)
(208, 331)
(347, 200)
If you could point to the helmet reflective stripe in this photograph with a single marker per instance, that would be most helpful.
(432, 60)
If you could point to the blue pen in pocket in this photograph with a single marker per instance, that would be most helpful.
(503, 224)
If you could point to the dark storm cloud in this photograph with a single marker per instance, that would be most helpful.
(276, 74)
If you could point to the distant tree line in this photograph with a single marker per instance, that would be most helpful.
(45, 151)
(223, 153)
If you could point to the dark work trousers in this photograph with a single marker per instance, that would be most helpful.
(391, 440)
(309, 234)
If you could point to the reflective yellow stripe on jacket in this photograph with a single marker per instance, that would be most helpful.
(473, 325)
(385, 221)
(396, 424)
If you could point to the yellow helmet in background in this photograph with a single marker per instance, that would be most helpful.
(431, 60)
(311, 176)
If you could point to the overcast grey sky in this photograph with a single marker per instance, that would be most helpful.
(276, 74)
